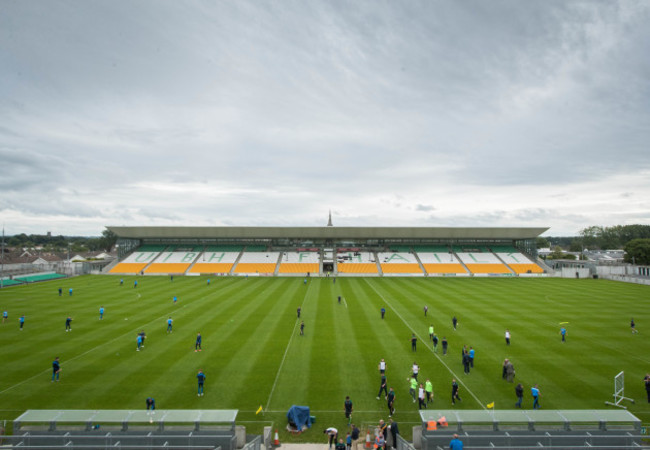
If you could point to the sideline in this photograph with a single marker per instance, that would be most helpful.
(286, 350)
(426, 344)
(74, 358)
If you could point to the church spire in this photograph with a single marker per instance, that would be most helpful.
(329, 221)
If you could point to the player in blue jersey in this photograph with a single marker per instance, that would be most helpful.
(5, 316)
(139, 341)
(197, 345)
(101, 312)
(56, 369)
(68, 323)
(169, 325)
(143, 335)
(200, 377)
(534, 391)
(22, 322)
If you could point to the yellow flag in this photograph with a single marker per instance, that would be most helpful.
(259, 410)
(490, 405)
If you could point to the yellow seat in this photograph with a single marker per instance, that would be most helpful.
(488, 268)
(298, 268)
(524, 268)
(444, 268)
(167, 268)
(357, 267)
(128, 268)
(401, 268)
(255, 268)
(211, 268)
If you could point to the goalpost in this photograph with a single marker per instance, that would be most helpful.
(619, 391)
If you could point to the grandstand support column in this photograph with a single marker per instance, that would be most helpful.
(417, 258)
(505, 264)
(320, 263)
(197, 259)
(379, 271)
(277, 264)
(471, 274)
(107, 268)
(144, 269)
(541, 263)
(232, 269)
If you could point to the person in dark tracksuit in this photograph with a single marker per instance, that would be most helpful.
(390, 401)
(519, 392)
(382, 387)
(454, 392)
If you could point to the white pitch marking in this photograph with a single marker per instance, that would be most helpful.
(286, 350)
(460, 381)
(40, 374)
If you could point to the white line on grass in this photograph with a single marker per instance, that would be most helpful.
(344, 302)
(286, 350)
(427, 345)
(380, 411)
(40, 374)
(277, 375)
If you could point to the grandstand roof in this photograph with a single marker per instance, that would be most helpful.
(326, 232)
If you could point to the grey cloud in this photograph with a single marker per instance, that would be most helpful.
(273, 113)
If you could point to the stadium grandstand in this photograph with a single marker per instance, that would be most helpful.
(327, 251)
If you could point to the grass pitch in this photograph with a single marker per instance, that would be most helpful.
(253, 354)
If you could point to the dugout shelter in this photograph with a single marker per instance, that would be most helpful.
(523, 429)
(180, 429)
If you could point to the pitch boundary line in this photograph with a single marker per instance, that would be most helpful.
(381, 411)
(286, 350)
(74, 358)
(426, 344)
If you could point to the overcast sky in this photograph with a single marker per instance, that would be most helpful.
(271, 113)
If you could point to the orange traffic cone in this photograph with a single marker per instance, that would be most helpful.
(368, 443)
(276, 439)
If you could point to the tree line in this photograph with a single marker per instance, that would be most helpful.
(61, 243)
(634, 239)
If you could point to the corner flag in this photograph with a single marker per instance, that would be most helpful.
(259, 410)
(490, 405)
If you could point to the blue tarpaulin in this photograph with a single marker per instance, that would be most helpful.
(299, 416)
